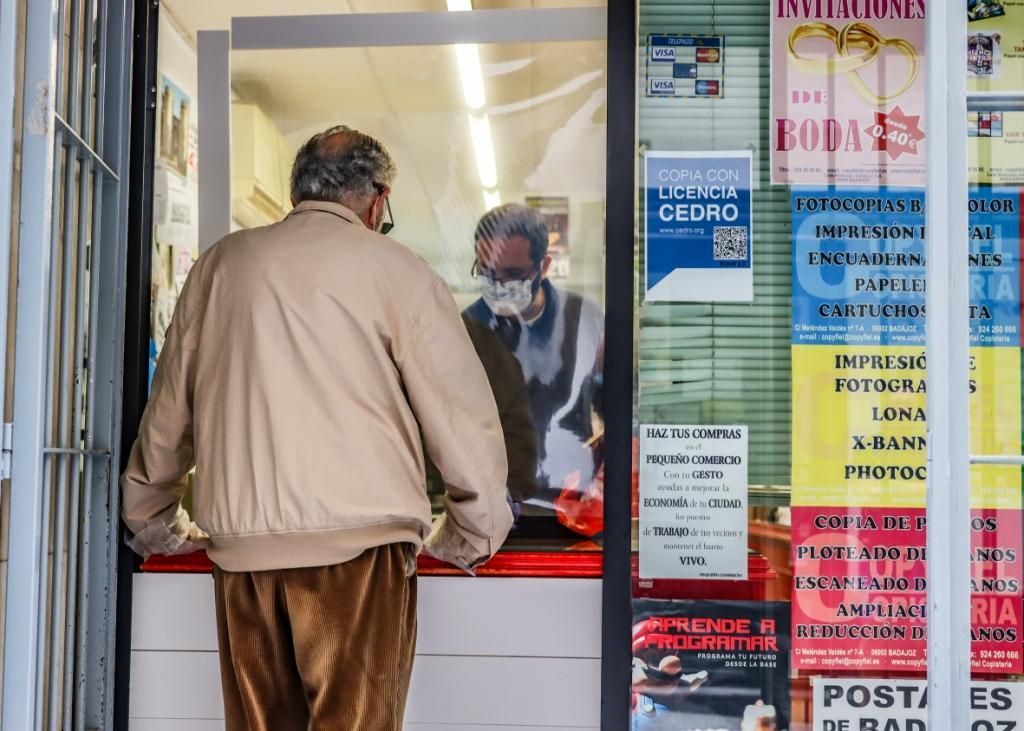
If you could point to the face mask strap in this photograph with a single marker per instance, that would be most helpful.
(536, 281)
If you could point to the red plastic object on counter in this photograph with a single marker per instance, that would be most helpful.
(582, 513)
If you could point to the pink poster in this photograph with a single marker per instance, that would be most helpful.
(848, 92)
(859, 590)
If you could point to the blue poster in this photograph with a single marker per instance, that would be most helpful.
(859, 266)
(697, 227)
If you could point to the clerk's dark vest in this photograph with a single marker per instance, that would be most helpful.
(558, 354)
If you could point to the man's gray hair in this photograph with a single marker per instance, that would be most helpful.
(340, 164)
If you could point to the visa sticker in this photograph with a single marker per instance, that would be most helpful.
(663, 87)
(663, 53)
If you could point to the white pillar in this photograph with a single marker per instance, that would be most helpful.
(949, 592)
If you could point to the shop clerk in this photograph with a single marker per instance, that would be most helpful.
(558, 338)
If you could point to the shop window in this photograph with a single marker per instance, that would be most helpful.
(471, 127)
(780, 448)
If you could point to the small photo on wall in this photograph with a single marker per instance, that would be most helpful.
(981, 9)
(175, 110)
(984, 55)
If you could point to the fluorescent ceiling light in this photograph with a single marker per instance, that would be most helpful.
(480, 130)
(471, 74)
(492, 199)
(468, 56)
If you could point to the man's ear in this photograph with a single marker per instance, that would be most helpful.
(377, 207)
(365, 209)
(377, 210)
(544, 266)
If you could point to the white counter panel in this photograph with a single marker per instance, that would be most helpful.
(457, 616)
(485, 646)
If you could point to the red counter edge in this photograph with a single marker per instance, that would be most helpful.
(507, 563)
(536, 564)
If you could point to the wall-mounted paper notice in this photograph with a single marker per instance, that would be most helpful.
(693, 502)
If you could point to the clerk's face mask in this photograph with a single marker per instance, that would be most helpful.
(508, 275)
(507, 299)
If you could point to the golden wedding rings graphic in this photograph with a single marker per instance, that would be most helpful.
(867, 44)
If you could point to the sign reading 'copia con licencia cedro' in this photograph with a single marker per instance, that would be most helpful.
(697, 227)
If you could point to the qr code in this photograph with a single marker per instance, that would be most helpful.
(730, 243)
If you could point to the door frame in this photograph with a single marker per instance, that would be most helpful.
(616, 24)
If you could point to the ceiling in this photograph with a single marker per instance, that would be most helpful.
(545, 101)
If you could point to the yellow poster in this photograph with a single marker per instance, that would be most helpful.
(861, 438)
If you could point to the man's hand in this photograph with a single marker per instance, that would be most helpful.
(445, 544)
(179, 538)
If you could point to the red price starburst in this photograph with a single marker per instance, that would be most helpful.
(896, 133)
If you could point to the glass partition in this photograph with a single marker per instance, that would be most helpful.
(473, 128)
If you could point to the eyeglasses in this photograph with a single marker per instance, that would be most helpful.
(479, 271)
(389, 222)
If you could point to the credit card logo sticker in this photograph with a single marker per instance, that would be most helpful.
(708, 55)
(707, 88)
(675, 63)
(663, 86)
(684, 71)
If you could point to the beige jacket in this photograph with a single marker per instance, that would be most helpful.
(303, 366)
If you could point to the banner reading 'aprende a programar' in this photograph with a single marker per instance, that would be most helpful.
(848, 92)
(700, 665)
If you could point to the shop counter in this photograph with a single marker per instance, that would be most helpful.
(517, 647)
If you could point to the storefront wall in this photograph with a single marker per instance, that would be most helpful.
(782, 406)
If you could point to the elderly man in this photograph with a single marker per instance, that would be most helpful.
(306, 364)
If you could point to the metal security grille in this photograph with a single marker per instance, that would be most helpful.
(59, 638)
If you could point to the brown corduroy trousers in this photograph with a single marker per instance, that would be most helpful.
(325, 648)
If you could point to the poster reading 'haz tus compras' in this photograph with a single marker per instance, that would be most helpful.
(848, 92)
